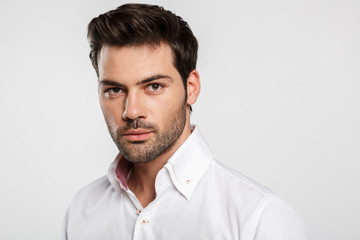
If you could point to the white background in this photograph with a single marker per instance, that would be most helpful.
(280, 103)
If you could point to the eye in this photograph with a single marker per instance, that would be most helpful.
(154, 87)
(113, 91)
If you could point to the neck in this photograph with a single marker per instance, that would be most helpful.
(142, 179)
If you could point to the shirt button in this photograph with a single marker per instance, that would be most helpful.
(144, 221)
(138, 211)
(187, 181)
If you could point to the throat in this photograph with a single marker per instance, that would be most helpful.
(145, 198)
(142, 183)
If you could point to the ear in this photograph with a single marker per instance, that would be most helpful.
(193, 87)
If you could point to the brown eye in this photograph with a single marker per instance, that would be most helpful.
(114, 90)
(154, 87)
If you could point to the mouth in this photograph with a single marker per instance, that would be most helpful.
(137, 135)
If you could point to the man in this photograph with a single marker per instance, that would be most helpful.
(164, 184)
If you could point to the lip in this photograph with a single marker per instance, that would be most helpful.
(137, 134)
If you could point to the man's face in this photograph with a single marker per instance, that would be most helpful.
(142, 98)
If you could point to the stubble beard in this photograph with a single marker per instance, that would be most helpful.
(162, 140)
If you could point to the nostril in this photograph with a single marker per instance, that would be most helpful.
(124, 115)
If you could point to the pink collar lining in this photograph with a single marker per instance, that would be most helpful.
(122, 171)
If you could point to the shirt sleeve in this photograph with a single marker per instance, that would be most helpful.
(278, 221)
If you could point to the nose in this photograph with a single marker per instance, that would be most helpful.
(134, 107)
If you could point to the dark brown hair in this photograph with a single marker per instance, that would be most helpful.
(140, 24)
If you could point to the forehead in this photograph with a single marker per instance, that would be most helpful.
(131, 62)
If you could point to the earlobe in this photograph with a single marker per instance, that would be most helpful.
(193, 87)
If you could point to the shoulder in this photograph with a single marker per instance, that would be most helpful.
(231, 189)
(227, 176)
(92, 191)
(277, 220)
(265, 212)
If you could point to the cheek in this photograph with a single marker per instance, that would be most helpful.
(164, 108)
(112, 112)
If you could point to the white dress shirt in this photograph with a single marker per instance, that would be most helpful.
(197, 198)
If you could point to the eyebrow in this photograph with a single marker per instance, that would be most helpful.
(146, 80)
(110, 82)
(152, 78)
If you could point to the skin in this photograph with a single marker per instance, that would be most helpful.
(141, 84)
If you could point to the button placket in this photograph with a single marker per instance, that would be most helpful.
(144, 221)
(142, 216)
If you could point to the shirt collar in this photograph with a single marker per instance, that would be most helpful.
(119, 172)
(185, 167)
(189, 163)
